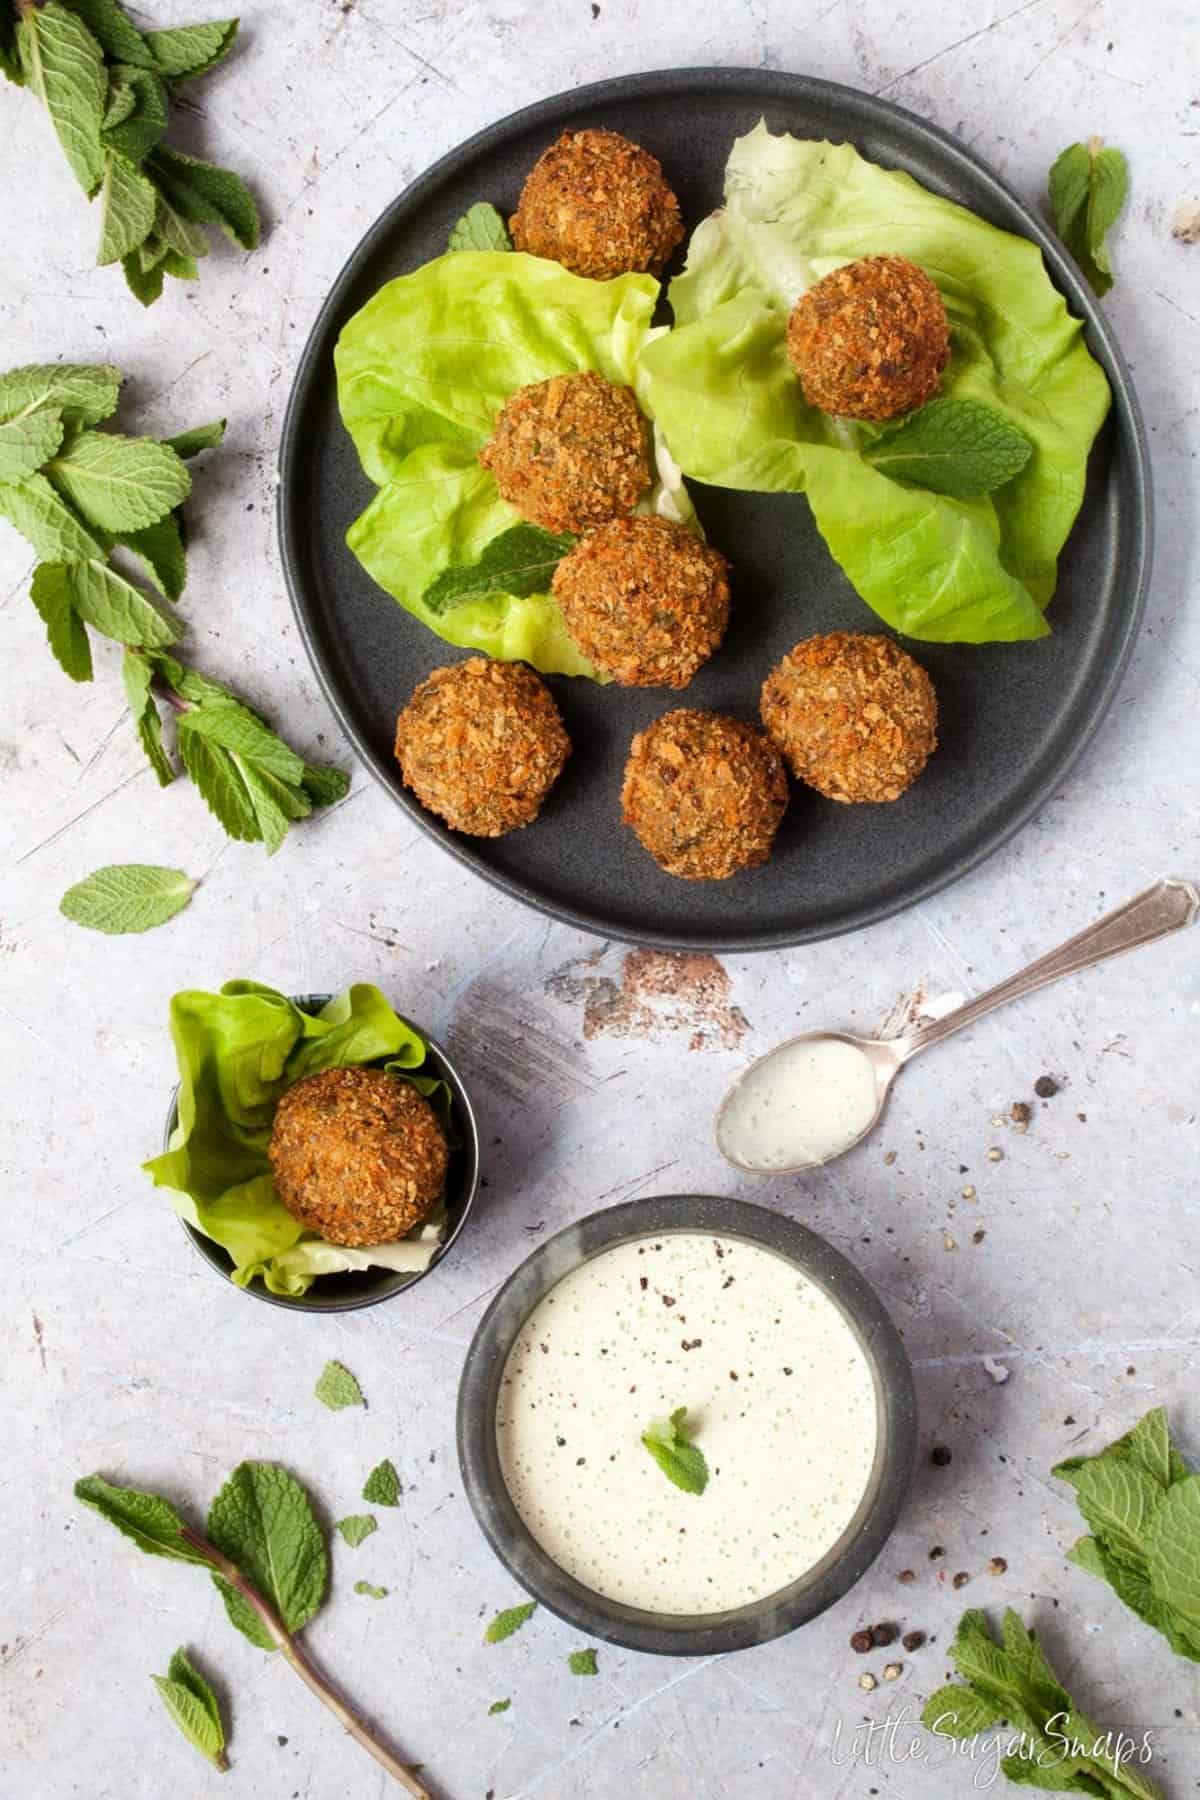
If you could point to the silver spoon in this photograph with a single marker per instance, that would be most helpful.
(1167, 906)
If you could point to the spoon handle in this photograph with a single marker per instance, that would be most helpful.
(1167, 906)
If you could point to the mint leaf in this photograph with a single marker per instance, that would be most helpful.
(357, 1528)
(1088, 185)
(194, 1708)
(324, 786)
(135, 125)
(205, 195)
(186, 51)
(669, 1443)
(521, 561)
(64, 65)
(29, 440)
(1118, 1500)
(128, 204)
(508, 1621)
(583, 1662)
(955, 447)
(373, 1593)
(1174, 1554)
(116, 36)
(66, 634)
(237, 729)
(159, 548)
(262, 1520)
(382, 1486)
(137, 675)
(957, 1712)
(498, 1706)
(1149, 1444)
(151, 1522)
(201, 437)
(127, 897)
(121, 483)
(336, 1388)
(1130, 1584)
(84, 393)
(115, 607)
(46, 521)
(145, 285)
(480, 228)
(219, 785)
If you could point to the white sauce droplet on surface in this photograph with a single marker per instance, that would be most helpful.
(780, 1398)
(805, 1103)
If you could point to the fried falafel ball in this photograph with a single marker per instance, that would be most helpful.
(357, 1155)
(645, 599)
(571, 453)
(599, 205)
(704, 794)
(870, 340)
(854, 715)
(481, 744)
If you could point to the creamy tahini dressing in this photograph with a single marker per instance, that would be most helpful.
(780, 1398)
(805, 1103)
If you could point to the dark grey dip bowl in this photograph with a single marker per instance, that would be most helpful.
(704, 1634)
(367, 1287)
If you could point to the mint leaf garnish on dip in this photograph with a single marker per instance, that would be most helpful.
(670, 1444)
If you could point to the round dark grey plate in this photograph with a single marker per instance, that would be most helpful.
(1013, 717)
(706, 1634)
(355, 1288)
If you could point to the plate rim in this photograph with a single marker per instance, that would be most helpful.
(1125, 413)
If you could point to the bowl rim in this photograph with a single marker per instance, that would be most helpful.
(390, 1282)
(635, 1628)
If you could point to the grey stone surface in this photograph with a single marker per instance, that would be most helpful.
(596, 1068)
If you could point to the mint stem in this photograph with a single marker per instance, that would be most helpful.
(305, 1668)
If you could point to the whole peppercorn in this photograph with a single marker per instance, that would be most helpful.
(912, 1640)
(940, 1456)
(883, 1635)
(961, 1579)
(1045, 1087)
(997, 1566)
(936, 1552)
(907, 1576)
(862, 1641)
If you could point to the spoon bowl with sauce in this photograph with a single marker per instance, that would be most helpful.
(816, 1096)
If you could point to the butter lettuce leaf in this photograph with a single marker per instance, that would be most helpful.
(723, 393)
(423, 370)
(238, 1051)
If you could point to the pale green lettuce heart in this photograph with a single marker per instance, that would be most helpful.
(423, 370)
(724, 395)
(238, 1051)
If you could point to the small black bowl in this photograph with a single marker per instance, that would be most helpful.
(367, 1287)
(706, 1634)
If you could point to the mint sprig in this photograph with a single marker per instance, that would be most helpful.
(127, 897)
(109, 89)
(1088, 185)
(1142, 1505)
(521, 561)
(955, 447)
(194, 1707)
(670, 1444)
(265, 1550)
(102, 511)
(1011, 1682)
